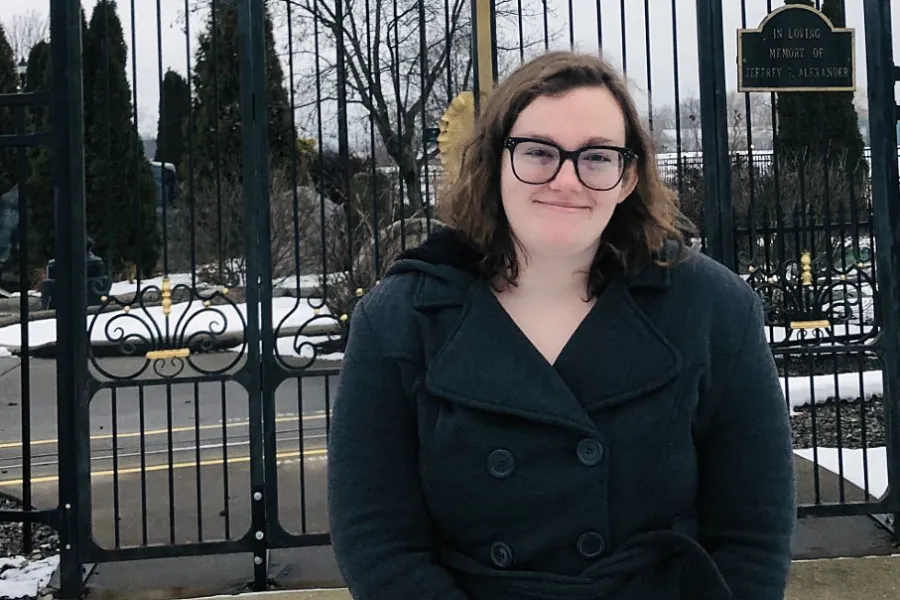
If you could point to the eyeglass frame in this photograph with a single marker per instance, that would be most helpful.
(628, 155)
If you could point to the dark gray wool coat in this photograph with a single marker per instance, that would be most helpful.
(651, 461)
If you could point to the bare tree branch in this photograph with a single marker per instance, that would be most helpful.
(25, 30)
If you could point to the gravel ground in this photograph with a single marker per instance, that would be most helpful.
(45, 539)
(849, 415)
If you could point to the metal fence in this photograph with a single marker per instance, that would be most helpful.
(243, 171)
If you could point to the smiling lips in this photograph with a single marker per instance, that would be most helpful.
(569, 208)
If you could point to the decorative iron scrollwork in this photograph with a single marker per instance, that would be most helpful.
(815, 300)
(317, 336)
(168, 339)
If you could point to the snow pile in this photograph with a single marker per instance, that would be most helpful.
(20, 578)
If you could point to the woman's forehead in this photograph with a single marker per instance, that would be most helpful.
(577, 118)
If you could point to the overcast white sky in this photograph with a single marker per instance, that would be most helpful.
(662, 63)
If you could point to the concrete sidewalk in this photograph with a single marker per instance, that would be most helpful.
(872, 578)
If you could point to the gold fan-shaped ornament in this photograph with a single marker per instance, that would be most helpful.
(456, 127)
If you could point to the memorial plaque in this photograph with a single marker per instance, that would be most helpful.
(796, 49)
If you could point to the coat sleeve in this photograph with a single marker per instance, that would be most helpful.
(747, 506)
(380, 527)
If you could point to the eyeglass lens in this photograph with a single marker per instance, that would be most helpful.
(536, 163)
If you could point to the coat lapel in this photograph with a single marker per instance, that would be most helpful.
(618, 353)
(487, 363)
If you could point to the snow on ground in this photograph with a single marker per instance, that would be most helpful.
(20, 578)
(801, 391)
(856, 462)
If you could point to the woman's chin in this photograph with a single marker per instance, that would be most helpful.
(560, 242)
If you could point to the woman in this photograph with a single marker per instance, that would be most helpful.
(555, 398)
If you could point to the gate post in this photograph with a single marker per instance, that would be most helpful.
(255, 157)
(886, 203)
(484, 50)
(714, 129)
(67, 132)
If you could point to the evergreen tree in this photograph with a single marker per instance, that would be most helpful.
(217, 139)
(217, 94)
(217, 99)
(35, 75)
(119, 180)
(819, 131)
(41, 217)
(41, 214)
(9, 84)
(174, 107)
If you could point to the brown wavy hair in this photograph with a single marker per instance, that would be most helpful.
(642, 227)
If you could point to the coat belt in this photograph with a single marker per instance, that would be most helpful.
(640, 552)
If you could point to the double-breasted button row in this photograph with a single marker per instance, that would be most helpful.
(501, 463)
(589, 545)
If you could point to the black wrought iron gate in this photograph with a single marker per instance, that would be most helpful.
(152, 369)
(822, 253)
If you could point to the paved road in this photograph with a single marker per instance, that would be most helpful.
(171, 463)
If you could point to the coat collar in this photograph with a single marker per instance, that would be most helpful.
(615, 355)
(436, 293)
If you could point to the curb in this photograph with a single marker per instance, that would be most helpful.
(870, 577)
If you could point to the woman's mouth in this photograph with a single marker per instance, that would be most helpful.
(562, 207)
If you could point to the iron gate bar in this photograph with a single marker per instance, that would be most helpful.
(25, 355)
(28, 99)
(47, 516)
(885, 179)
(23, 140)
(253, 107)
(714, 131)
(71, 374)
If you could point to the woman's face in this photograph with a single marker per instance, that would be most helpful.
(565, 215)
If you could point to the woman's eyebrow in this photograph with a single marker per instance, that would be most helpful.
(603, 141)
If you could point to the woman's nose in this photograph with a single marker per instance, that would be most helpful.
(566, 177)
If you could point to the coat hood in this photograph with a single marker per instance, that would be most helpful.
(447, 256)
(444, 255)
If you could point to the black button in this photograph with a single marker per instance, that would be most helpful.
(589, 452)
(501, 463)
(591, 544)
(501, 555)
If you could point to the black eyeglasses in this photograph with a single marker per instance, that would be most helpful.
(537, 162)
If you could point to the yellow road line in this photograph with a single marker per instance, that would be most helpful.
(164, 467)
(135, 434)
